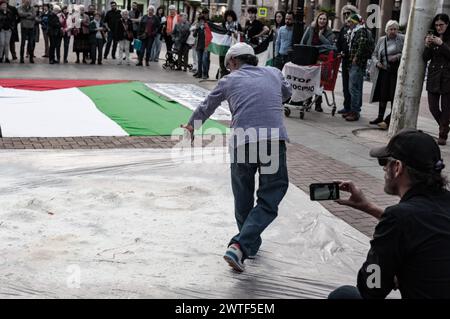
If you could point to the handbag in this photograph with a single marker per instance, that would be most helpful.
(137, 44)
(191, 39)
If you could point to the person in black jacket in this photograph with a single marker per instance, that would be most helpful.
(15, 33)
(437, 49)
(148, 29)
(410, 249)
(234, 28)
(6, 23)
(55, 34)
(111, 22)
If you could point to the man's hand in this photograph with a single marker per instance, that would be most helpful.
(380, 65)
(190, 129)
(358, 200)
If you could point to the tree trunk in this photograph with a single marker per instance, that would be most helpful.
(411, 72)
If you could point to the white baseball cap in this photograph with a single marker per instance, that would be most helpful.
(237, 50)
(172, 7)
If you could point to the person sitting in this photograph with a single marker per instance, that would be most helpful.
(180, 35)
(410, 249)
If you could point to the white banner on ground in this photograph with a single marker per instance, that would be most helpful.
(190, 95)
(305, 80)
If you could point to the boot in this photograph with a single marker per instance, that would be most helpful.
(381, 110)
(443, 134)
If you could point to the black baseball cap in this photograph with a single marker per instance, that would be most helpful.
(414, 148)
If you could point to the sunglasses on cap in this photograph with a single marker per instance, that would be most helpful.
(383, 161)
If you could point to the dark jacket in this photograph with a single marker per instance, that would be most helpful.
(143, 25)
(6, 20)
(342, 41)
(54, 25)
(412, 243)
(44, 21)
(360, 47)
(15, 18)
(326, 39)
(180, 34)
(93, 32)
(112, 19)
(27, 17)
(438, 76)
(125, 34)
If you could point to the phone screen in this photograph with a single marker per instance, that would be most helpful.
(324, 191)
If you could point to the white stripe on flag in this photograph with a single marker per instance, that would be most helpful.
(56, 113)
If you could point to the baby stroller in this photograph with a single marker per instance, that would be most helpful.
(172, 62)
(329, 69)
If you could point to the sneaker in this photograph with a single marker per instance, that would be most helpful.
(376, 121)
(342, 111)
(233, 257)
(205, 77)
(383, 125)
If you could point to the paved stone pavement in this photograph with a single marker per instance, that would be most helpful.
(322, 149)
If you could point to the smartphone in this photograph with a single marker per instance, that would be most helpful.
(324, 191)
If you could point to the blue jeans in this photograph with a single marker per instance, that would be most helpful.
(146, 49)
(203, 62)
(356, 87)
(345, 86)
(156, 48)
(345, 292)
(252, 220)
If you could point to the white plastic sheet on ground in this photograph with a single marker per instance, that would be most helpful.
(190, 96)
(155, 224)
(54, 113)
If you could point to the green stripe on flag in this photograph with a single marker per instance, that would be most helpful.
(140, 111)
(218, 49)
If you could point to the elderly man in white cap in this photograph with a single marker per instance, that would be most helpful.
(255, 96)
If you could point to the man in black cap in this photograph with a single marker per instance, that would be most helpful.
(410, 249)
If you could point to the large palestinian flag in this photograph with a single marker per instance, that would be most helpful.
(219, 41)
(59, 108)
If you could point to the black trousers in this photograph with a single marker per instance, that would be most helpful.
(108, 46)
(55, 47)
(169, 44)
(97, 50)
(29, 36)
(441, 113)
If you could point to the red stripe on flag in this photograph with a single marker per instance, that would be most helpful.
(45, 84)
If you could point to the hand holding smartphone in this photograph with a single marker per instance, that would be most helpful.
(324, 191)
